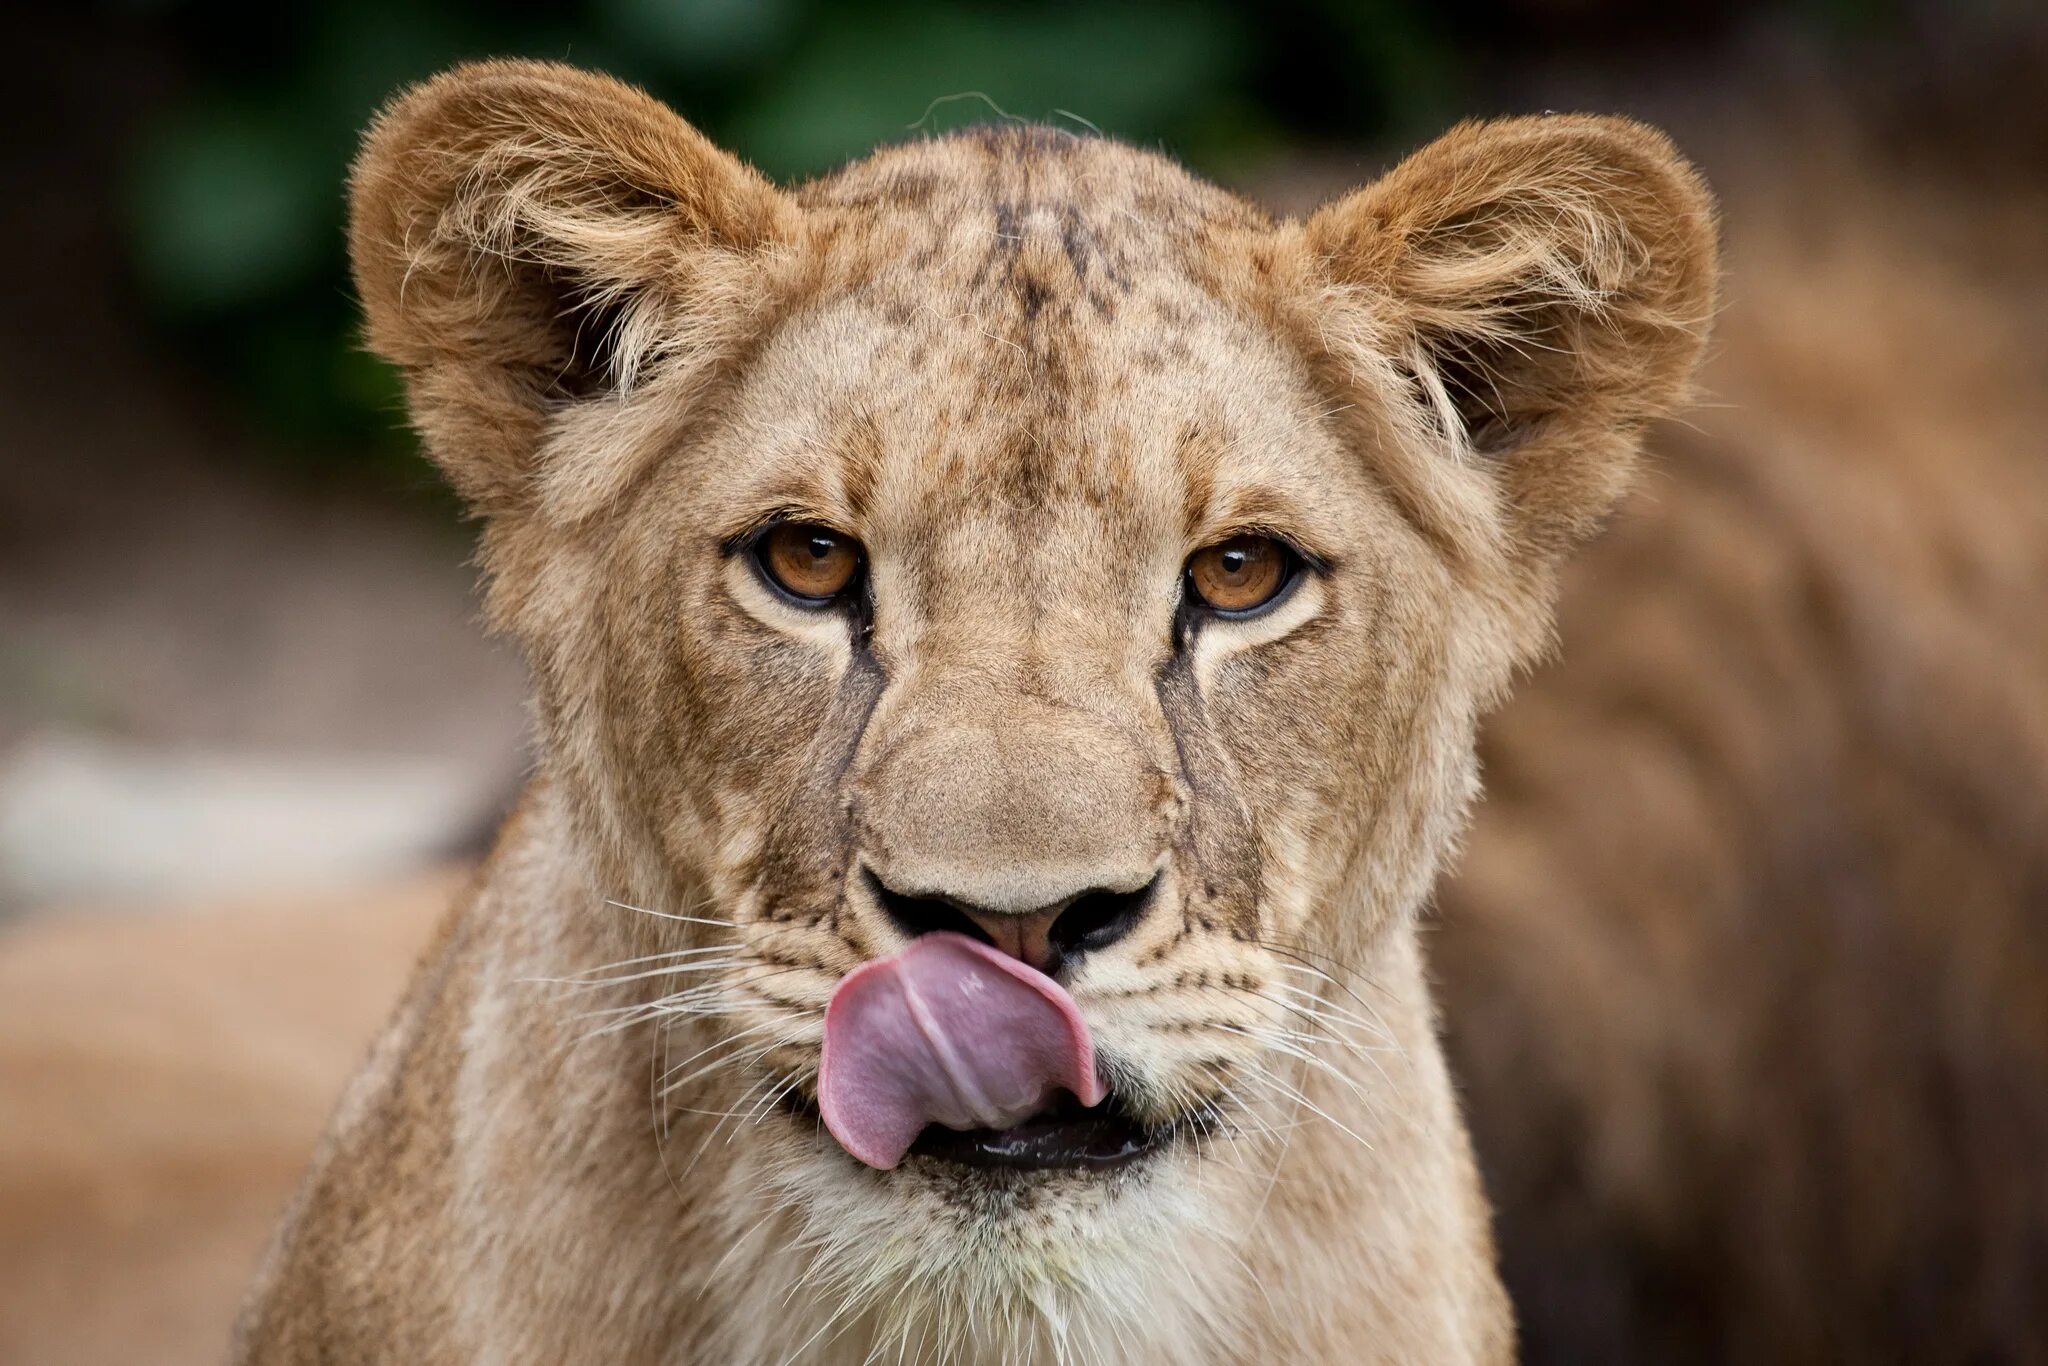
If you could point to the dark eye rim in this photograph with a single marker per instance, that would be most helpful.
(1297, 564)
(754, 546)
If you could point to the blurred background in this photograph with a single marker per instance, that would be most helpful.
(240, 674)
(235, 633)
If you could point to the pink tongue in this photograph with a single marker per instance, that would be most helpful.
(952, 1032)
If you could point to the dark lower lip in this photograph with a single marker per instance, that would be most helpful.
(1074, 1139)
(1065, 1137)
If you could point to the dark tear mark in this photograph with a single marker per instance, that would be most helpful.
(860, 689)
(1218, 849)
(802, 865)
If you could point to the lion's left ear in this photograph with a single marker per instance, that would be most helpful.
(1543, 286)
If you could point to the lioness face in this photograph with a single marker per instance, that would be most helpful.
(934, 624)
(1013, 536)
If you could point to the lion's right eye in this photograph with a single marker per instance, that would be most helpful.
(813, 564)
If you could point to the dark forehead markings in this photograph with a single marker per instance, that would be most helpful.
(1025, 253)
(1028, 473)
(1036, 163)
(1077, 237)
(1018, 138)
(1034, 295)
(1077, 240)
(1069, 216)
(1009, 229)
(1074, 231)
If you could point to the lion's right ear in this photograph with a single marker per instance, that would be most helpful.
(526, 235)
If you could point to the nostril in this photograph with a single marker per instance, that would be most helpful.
(918, 915)
(1098, 919)
(1046, 939)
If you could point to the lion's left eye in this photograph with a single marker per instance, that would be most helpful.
(811, 563)
(1241, 574)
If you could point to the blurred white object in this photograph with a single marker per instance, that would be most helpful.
(84, 818)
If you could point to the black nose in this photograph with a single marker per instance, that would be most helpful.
(1048, 938)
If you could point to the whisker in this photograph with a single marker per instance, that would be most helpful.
(1292, 1050)
(648, 958)
(671, 915)
(1268, 1080)
(673, 969)
(745, 1099)
(657, 1057)
(704, 1000)
(1303, 964)
(1324, 1029)
(724, 1042)
(734, 1062)
(1335, 1010)
(767, 1107)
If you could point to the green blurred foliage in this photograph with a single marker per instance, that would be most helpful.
(235, 197)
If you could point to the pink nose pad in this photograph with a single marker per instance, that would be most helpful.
(1027, 938)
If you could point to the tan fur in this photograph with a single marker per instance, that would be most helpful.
(1032, 373)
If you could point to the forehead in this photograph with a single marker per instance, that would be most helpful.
(1019, 326)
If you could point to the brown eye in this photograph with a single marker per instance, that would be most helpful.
(808, 561)
(1241, 574)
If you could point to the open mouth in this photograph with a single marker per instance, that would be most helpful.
(1065, 1136)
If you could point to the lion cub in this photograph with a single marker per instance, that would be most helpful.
(1008, 622)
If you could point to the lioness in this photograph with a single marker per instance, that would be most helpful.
(1009, 622)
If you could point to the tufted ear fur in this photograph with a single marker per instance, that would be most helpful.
(525, 236)
(1543, 287)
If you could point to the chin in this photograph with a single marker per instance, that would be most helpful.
(1006, 1262)
(1052, 1214)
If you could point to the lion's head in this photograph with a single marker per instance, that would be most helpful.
(1014, 535)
